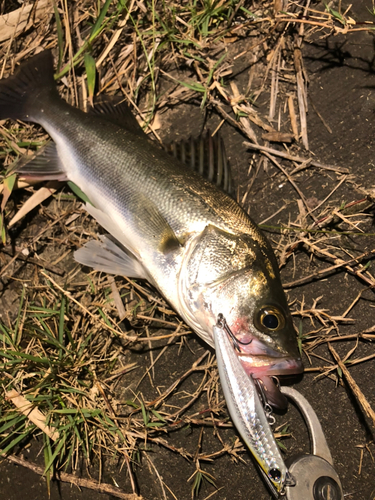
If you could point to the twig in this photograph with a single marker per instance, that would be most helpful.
(136, 338)
(38, 262)
(273, 215)
(329, 256)
(354, 387)
(320, 274)
(328, 196)
(293, 117)
(157, 475)
(64, 477)
(196, 367)
(34, 240)
(354, 336)
(301, 97)
(153, 362)
(297, 159)
(280, 167)
(157, 320)
(320, 116)
(70, 296)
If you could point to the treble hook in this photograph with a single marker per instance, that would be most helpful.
(221, 323)
(263, 398)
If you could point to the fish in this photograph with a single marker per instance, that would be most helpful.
(247, 412)
(167, 223)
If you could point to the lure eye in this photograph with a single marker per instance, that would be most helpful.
(270, 318)
(275, 475)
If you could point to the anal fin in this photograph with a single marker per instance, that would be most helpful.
(44, 165)
(108, 257)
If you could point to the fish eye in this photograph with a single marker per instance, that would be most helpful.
(270, 321)
(270, 318)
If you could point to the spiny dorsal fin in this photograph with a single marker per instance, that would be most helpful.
(205, 155)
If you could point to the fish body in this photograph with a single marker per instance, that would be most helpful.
(189, 239)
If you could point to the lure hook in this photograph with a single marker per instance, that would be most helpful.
(221, 323)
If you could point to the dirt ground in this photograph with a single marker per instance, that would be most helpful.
(341, 121)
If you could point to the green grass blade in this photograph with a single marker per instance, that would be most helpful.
(77, 191)
(99, 26)
(90, 68)
(55, 454)
(14, 442)
(60, 36)
(61, 325)
(15, 334)
(2, 231)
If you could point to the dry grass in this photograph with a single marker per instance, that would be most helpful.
(65, 351)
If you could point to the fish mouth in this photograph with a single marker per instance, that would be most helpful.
(264, 368)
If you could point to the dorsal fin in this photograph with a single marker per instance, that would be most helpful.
(205, 155)
(115, 110)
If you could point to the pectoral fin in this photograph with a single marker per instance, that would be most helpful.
(151, 223)
(147, 222)
(109, 225)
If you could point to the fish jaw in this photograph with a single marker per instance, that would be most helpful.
(263, 368)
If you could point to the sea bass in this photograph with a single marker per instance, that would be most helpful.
(189, 239)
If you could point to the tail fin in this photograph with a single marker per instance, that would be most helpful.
(23, 94)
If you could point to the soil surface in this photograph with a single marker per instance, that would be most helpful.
(341, 132)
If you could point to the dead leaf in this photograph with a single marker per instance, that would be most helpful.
(15, 22)
(277, 137)
(33, 414)
(8, 185)
(36, 199)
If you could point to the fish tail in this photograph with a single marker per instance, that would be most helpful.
(24, 95)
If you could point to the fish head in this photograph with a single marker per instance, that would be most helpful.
(235, 277)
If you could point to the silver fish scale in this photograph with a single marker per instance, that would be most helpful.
(120, 165)
(245, 407)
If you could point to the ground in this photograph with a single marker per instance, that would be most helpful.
(341, 103)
